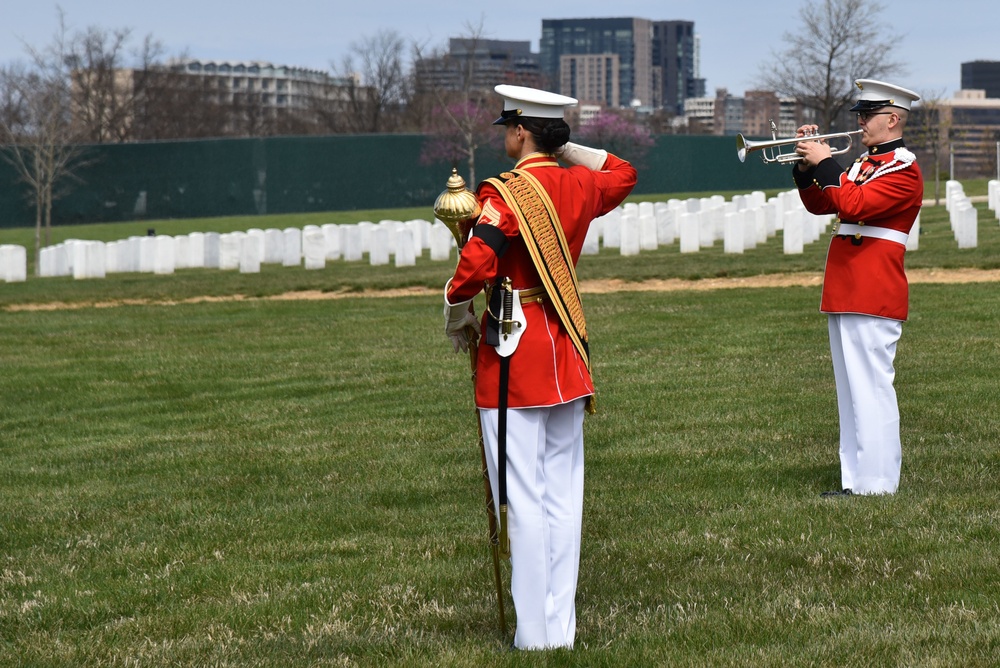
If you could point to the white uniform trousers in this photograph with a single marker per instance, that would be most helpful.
(863, 349)
(544, 516)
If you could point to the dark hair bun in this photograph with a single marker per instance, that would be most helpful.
(549, 133)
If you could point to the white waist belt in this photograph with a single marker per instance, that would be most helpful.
(852, 230)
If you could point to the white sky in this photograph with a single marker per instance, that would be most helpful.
(738, 37)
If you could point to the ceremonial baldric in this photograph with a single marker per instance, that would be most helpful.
(546, 242)
(538, 222)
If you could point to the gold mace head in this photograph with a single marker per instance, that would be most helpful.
(456, 205)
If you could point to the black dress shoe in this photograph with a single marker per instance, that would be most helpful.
(843, 492)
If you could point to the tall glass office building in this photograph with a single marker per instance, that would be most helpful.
(622, 62)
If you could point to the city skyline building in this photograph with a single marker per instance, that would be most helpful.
(982, 75)
(676, 63)
(479, 64)
(629, 39)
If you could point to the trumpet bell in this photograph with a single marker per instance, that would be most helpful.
(741, 147)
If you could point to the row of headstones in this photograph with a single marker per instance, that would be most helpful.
(695, 223)
(246, 251)
(963, 215)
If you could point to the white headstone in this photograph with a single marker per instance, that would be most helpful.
(89, 259)
(733, 241)
(993, 196)
(314, 247)
(708, 222)
(592, 242)
(913, 240)
(46, 261)
(165, 259)
(690, 232)
(666, 230)
(147, 254)
(212, 250)
(181, 251)
(196, 250)
(274, 246)
(749, 219)
(629, 233)
(333, 236)
(113, 256)
(61, 265)
(77, 255)
(442, 242)
(647, 228)
(760, 223)
(293, 247)
(230, 250)
(366, 227)
(405, 252)
(262, 240)
(249, 254)
(966, 224)
(421, 230)
(612, 228)
(13, 263)
(353, 250)
(378, 252)
(792, 241)
(97, 259)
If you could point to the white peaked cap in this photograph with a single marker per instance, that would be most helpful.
(877, 94)
(521, 101)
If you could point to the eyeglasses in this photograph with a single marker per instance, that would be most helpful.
(865, 116)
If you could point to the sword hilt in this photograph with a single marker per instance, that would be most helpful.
(508, 307)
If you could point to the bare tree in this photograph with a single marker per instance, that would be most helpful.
(373, 100)
(928, 131)
(615, 132)
(37, 136)
(837, 42)
(461, 116)
(105, 90)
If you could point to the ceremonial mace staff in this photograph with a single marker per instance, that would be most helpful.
(454, 207)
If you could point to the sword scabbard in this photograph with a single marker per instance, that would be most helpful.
(503, 538)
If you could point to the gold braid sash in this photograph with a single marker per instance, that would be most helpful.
(546, 242)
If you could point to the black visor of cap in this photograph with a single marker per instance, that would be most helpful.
(507, 115)
(871, 105)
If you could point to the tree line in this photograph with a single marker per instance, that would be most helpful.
(103, 85)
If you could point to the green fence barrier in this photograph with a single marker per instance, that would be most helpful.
(236, 177)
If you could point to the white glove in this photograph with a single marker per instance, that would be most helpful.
(575, 154)
(457, 317)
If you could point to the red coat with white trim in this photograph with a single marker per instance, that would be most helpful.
(546, 368)
(883, 189)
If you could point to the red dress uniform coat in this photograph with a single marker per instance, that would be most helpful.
(884, 189)
(546, 368)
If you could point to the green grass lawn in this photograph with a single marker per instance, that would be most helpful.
(295, 483)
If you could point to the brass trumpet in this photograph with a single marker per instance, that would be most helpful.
(767, 147)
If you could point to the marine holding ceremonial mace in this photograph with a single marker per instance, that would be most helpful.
(533, 375)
